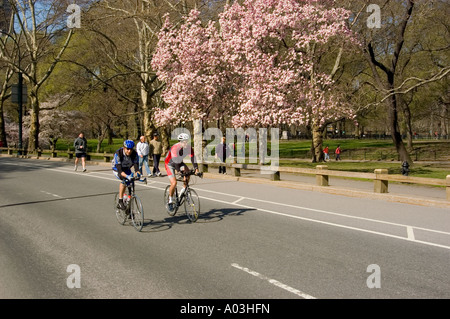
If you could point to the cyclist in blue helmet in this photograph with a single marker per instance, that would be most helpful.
(124, 159)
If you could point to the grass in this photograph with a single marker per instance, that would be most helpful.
(384, 150)
(430, 170)
(63, 144)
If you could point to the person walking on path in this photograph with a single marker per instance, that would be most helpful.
(223, 152)
(143, 150)
(156, 151)
(326, 154)
(80, 146)
(338, 153)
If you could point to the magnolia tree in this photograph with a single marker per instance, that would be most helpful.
(190, 62)
(54, 124)
(12, 133)
(259, 66)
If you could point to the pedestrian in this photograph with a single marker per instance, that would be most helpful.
(405, 168)
(80, 146)
(338, 153)
(143, 150)
(156, 151)
(326, 154)
(222, 153)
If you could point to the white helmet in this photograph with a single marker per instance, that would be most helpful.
(183, 137)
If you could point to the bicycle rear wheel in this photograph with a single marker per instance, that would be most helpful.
(166, 202)
(192, 205)
(120, 214)
(137, 213)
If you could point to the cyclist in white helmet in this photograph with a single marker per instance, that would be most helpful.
(174, 162)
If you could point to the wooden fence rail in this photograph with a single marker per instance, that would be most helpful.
(57, 153)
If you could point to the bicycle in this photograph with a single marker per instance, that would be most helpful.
(189, 198)
(133, 207)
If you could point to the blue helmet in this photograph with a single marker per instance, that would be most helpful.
(128, 144)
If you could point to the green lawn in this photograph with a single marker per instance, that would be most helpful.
(63, 144)
(431, 170)
(354, 149)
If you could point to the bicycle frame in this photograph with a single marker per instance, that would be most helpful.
(180, 199)
(187, 187)
(131, 189)
(188, 194)
(137, 217)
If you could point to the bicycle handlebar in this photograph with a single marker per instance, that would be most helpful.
(134, 178)
(191, 172)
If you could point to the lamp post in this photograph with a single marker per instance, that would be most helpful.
(19, 90)
(20, 106)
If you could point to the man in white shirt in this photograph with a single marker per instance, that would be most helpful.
(142, 149)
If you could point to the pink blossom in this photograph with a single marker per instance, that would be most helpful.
(256, 68)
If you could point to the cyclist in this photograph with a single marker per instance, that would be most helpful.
(124, 159)
(174, 162)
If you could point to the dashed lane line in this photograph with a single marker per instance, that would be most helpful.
(274, 282)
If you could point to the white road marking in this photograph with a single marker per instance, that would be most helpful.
(274, 282)
(54, 195)
(237, 200)
(410, 233)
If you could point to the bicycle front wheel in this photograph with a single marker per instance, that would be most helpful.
(192, 205)
(137, 213)
(120, 214)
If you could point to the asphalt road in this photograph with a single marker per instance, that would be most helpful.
(60, 239)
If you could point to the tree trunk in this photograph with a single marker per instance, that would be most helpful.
(406, 120)
(394, 129)
(165, 140)
(390, 71)
(33, 143)
(53, 141)
(317, 143)
(444, 121)
(99, 143)
(138, 120)
(3, 139)
(149, 127)
(3, 97)
(409, 132)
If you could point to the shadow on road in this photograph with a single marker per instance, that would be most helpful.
(56, 199)
(214, 215)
